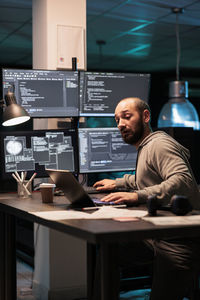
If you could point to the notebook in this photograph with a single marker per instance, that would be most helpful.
(73, 190)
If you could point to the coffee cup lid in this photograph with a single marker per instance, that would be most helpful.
(47, 185)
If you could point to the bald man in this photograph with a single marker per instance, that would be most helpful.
(162, 169)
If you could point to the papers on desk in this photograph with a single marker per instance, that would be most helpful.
(104, 212)
(174, 220)
(107, 212)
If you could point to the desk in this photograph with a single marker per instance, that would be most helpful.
(104, 233)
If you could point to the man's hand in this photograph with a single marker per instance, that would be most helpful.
(121, 197)
(105, 184)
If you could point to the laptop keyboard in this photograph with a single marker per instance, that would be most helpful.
(93, 190)
(98, 202)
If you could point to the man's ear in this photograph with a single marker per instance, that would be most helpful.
(146, 116)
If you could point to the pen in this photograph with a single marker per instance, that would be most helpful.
(119, 205)
(109, 204)
(90, 208)
(26, 190)
(96, 208)
(17, 175)
(31, 179)
(14, 176)
(25, 173)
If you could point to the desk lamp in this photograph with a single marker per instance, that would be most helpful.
(178, 111)
(13, 114)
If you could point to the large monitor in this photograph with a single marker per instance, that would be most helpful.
(44, 93)
(35, 151)
(103, 150)
(100, 92)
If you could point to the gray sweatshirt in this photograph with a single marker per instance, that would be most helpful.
(163, 169)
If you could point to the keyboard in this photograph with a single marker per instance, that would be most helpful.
(93, 190)
(98, 202)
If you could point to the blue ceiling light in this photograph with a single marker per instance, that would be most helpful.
(140, 27)
(142, 34)
(137, 50)
(130, 31)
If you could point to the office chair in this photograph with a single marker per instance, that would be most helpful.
(140, 277)
(136, 277)
(195, 292)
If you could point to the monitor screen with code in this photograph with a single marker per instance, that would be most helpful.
(44, 93)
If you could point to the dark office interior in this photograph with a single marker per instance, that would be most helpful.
(123, 37)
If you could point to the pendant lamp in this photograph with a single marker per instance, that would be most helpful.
(178, 111)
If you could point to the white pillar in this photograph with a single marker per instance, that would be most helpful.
(60, 259)
(53, 19)
(60, 265)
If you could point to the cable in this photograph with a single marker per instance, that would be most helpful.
(178, 49)
(84, 179)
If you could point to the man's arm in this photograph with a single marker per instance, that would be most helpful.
(127, 181)
(105, 184)
(130, 198)
(169, 161)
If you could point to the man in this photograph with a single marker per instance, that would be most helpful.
(163, 170)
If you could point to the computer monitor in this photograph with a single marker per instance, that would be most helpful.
(103, 150)
(44, 93)
(35, 151)
(100, 92)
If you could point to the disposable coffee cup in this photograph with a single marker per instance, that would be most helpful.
(47, 192)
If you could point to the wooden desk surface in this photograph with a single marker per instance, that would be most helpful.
(106, 233)
(93, 231)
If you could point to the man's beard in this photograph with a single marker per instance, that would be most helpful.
(133, 137)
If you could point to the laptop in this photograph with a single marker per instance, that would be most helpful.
(73, 190)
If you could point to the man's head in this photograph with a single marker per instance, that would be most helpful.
(133, 120)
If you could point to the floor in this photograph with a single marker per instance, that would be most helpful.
(24, 285)
(24, 281)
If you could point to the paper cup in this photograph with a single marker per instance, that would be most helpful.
(47, 192)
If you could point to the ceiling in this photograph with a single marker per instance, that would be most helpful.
(123, 35)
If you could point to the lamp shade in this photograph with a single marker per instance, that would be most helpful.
(13, 113)
(178, 111)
